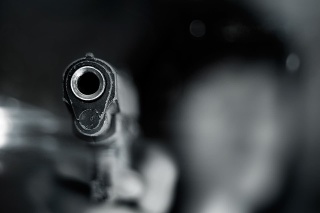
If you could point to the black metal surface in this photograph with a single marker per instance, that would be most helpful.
(91, 118)
(95, 120)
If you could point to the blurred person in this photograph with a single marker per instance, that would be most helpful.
(223, 91)
(235, 132)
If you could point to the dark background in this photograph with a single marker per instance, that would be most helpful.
(38, 39)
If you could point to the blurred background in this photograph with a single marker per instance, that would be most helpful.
(38, 39)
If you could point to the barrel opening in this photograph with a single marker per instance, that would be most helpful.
(88, 83)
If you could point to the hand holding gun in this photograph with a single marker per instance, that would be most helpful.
(91, 90)
(104, 108)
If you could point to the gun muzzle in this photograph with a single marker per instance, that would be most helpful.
(91, 95)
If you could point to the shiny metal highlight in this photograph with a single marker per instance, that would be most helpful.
(75, 80)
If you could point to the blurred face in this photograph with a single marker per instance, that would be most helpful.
(230, 127)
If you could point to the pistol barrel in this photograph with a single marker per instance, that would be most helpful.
(90, 91)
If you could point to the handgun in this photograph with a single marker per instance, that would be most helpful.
(103, 106)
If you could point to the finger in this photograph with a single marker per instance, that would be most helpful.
(160, 174)
(129, 185)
